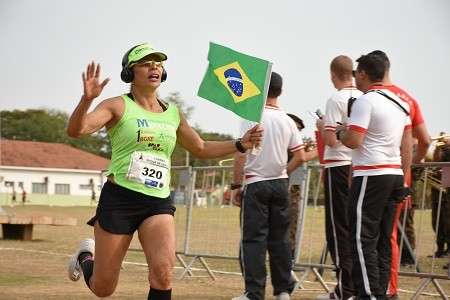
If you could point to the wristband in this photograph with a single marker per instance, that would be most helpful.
(239, 146)
(235, 186)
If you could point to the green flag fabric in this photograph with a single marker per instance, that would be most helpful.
(236, 81)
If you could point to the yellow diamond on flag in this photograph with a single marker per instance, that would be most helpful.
(233, 77)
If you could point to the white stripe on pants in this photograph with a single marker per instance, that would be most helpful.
(358, 237)
(334, 232)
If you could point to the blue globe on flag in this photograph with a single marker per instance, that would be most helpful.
(234, 81)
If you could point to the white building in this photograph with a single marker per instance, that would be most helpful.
(49, 169)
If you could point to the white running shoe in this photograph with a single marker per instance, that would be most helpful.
(74, 268)
(241, 297)
(283, 296)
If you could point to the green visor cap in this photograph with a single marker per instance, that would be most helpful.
(142, 51)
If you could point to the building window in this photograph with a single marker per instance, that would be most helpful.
(9, 184)
(85, 187)
(62, 189)
(39, 188)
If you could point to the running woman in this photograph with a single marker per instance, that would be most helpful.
(143, 131)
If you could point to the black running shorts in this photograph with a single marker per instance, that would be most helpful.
(121, 211)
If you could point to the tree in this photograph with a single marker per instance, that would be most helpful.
(33, 125)
(47, 125)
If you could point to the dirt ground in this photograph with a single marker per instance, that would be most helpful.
(37, 269)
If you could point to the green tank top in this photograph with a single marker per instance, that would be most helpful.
(142, 144)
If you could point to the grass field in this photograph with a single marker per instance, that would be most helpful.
(37, 269)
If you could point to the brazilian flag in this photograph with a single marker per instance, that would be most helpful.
(236, 81)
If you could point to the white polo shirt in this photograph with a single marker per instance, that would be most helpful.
(280, 135)
(335, 113)
(383, 122)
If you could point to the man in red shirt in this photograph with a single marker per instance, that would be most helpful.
(420, 132)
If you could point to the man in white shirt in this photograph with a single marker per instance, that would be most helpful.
(337, 160)
(379, 131)
(265, 205)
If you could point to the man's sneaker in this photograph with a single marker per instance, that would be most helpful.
(74, 269)
(283, 296)
(241, 297)
(329, 296)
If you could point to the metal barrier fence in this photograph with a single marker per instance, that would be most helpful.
(208, 225)
(311, 254)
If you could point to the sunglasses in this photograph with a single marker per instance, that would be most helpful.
(148, 63)
(354, 73)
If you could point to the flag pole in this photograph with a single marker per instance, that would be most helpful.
(256, 150)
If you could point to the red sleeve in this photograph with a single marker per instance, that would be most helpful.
(414, 109)
(417, 119)
(357, 128)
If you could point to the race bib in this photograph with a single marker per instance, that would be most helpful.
(148, 169)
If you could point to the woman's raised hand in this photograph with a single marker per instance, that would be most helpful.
(92, 87)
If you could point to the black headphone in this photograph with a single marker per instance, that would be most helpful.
(127, 74)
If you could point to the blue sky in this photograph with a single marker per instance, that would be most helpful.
(47, 44)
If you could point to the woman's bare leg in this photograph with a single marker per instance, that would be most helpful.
(157, 237)
(110, 250)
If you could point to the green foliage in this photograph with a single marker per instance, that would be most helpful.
(47, 125)
(33, 125)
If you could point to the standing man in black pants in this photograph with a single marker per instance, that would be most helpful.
(336, 176)
(265, 208)
(379, 131)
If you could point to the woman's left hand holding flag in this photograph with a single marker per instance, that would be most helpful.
(253, 137)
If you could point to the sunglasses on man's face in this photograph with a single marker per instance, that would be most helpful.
(148, 63)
